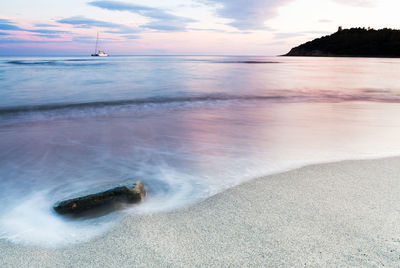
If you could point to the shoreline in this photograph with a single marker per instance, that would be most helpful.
(331, 214)
(341, 56)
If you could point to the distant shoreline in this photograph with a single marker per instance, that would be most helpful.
(354, 42)
(341, 56)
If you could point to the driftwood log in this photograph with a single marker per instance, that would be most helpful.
(121, 194)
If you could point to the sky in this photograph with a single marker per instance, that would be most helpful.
(180, 27)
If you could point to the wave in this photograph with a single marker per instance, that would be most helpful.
(300, 97)
(100, 104)
(248, 62)
(233, 61)
(68, 62)
(81, 62)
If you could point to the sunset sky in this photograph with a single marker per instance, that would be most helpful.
(201, 27)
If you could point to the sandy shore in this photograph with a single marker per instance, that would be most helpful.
(329, 215)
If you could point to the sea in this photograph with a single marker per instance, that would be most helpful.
(189, 127)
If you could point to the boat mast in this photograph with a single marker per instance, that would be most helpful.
(97, 42)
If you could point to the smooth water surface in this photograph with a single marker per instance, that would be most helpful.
(188, 127)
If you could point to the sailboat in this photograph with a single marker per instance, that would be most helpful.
(98, 52)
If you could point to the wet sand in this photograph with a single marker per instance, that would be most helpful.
(329, 215)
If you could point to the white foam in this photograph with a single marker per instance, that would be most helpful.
(182, 157)
(32, 222)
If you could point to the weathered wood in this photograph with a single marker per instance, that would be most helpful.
(121, 194)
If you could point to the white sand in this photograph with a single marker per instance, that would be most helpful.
(330, 215)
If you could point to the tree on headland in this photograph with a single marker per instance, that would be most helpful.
(354, 42)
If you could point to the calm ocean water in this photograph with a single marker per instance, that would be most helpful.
(188, 127)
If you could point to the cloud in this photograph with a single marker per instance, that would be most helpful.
(45, 25)
(161, 20)
(45, 31)
(50, 35)
(24, 41)
(7, 25)
(219, 31)
(170, 27)
(208, 30)
(357, 3)
(50, 40)
(131, 36)
(124, 30)
(247, 15)
(82, 22)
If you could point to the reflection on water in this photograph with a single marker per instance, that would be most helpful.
(221, 125)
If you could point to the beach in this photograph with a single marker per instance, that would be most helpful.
(339, 214)
(199, 133)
